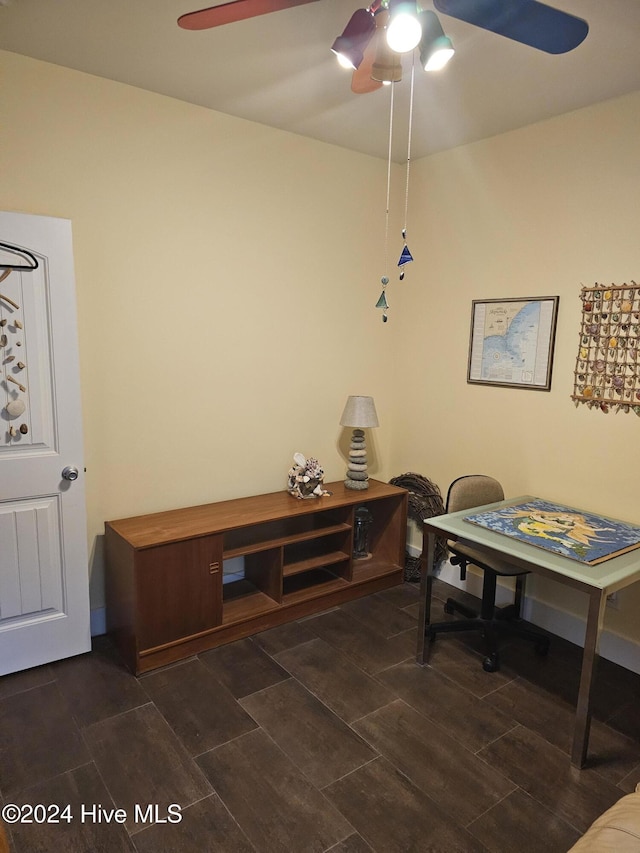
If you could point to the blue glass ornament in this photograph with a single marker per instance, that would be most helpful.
(406, 256)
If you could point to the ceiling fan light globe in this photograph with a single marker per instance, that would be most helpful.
(404, 32)
(354, 39)
(349, 58)
(438, 56)
(345, 62)
(436, 48)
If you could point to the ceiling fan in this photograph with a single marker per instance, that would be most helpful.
(529, 22)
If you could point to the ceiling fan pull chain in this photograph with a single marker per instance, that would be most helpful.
(382, 301)
(406, 256)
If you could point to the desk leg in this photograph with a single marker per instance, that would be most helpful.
(597, 604)
(426, 583)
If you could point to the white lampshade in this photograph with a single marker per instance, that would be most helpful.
(360, 412)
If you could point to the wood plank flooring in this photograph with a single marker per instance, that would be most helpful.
(319, 735)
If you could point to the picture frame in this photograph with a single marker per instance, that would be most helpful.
(511, 342)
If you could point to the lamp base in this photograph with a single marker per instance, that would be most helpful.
(359, 485)
(357, 477)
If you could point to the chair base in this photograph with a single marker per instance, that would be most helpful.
(492, 623)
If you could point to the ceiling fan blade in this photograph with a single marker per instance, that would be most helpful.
(361, 81)
(236, 10)
(527, 21)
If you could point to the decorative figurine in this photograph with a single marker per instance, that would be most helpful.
(305, 478)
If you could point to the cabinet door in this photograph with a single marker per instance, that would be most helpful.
(179, 590)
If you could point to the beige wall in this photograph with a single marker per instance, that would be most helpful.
(540, 211)
(226, 277)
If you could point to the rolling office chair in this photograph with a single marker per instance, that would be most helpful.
(465, 493)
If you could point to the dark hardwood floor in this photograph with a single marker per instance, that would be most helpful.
(319, 735)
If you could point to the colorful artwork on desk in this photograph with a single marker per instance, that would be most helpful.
(570, 532)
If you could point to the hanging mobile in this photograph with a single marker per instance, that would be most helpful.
(382, 301)
(405, 256)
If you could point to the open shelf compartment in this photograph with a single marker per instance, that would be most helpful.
(328, 550)
(312, 584)
(299, 528)
(242, 600)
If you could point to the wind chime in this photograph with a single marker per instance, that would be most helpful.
(405, 255)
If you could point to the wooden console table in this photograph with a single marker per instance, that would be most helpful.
(166, 599)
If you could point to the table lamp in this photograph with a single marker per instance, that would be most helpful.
(359, 413)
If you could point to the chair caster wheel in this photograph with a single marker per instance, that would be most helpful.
(448, 608)
(491, 663)
(542, 648)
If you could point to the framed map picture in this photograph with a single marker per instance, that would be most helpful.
(511, 342)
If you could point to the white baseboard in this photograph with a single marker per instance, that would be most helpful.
(570, 627)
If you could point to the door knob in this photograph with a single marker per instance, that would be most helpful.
(70, 472)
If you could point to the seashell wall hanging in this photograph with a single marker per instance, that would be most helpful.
(15, 408)
(15, 389)
(607, 374)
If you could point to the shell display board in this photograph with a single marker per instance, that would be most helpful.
(24, 414)
(13, 358)
(607, 374)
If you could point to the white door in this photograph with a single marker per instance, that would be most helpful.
(44, 577)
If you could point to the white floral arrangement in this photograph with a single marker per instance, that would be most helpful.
(305, 478)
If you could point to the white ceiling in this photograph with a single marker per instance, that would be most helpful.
(278, 70)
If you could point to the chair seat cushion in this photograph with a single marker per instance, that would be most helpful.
(483, 559)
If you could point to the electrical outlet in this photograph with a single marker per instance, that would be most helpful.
(613, 601)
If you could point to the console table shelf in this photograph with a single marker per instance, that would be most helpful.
(166, 599)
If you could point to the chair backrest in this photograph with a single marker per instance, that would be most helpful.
(473, 490)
